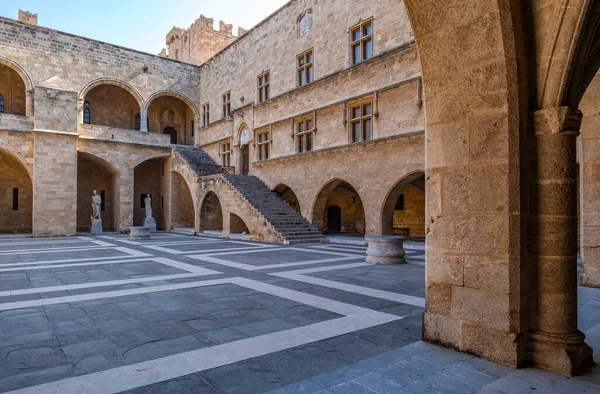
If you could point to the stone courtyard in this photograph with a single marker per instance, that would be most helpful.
(196, 314)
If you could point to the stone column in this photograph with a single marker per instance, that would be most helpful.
(556, 343)
(29, 102)
(144, 120)
(127, 199)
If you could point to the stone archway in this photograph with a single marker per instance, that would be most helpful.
(94, 173)
(237, 225)
(151, 177)
(403, 212)
(13, 94)
(182, 204)
(348, 217)
(211, 213)
(287, 194)
(16, 195)
(174, 114)
(110, 103)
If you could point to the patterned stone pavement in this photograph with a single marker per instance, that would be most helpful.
(181, 314)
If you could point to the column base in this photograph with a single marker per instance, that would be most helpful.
(566, 354)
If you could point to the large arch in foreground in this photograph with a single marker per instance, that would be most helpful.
(501, 123)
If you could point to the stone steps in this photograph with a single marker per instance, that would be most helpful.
(294, 228)
(285, 220)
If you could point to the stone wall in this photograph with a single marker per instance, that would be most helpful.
(274, 44)
(589, 166)
(55, 184)
(360, 165)
(67, 62)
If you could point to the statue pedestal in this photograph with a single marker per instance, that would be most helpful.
(151, 223)
(139, 232)
(96, 226)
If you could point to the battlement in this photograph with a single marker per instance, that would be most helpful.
(28, 17)
(200, 41)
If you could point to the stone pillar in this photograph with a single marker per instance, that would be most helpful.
(144, 120)
(29, 102)
(126, 199)
(555, 342)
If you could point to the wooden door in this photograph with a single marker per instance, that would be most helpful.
(245, 160)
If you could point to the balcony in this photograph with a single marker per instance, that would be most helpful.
(105, 133)
(11, 122)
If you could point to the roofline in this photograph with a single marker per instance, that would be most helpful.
(37, 27)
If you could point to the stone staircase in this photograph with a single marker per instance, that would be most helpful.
(292, 227)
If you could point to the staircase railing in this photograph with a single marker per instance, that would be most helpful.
(205, 169)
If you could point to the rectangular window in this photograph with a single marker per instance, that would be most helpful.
(400, 203)
(162, 202)
(305, 68)
(102, 200)
(264, 82)
(193, 124)
(305, 130)
(263, 146)
(226, 104)
(205, 114)
(362, 41)
(15, 199)
(361, 122)
(226, 153)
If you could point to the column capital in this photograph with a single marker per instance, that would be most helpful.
(557, 120)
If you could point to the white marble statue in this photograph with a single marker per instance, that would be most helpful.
(148, 202)
(96, 203)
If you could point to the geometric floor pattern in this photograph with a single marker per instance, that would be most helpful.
(177, 313)
(190, 314)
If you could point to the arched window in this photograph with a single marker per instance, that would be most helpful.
(138, 122)
(87, 112)
(1, 104)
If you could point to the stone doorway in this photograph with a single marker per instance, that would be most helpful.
(334, 219)
(172, 132)
(245, 165)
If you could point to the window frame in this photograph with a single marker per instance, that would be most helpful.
(304, 68)
(205, 114)
(362, 104)
(361, 41)
(87, 112)
(225, 153)
(226, 104)
(137, 123)
(2, 104)
(263, 146)
(264, 86)
(302, 134)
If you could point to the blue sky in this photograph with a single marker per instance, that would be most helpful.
(138, 24)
